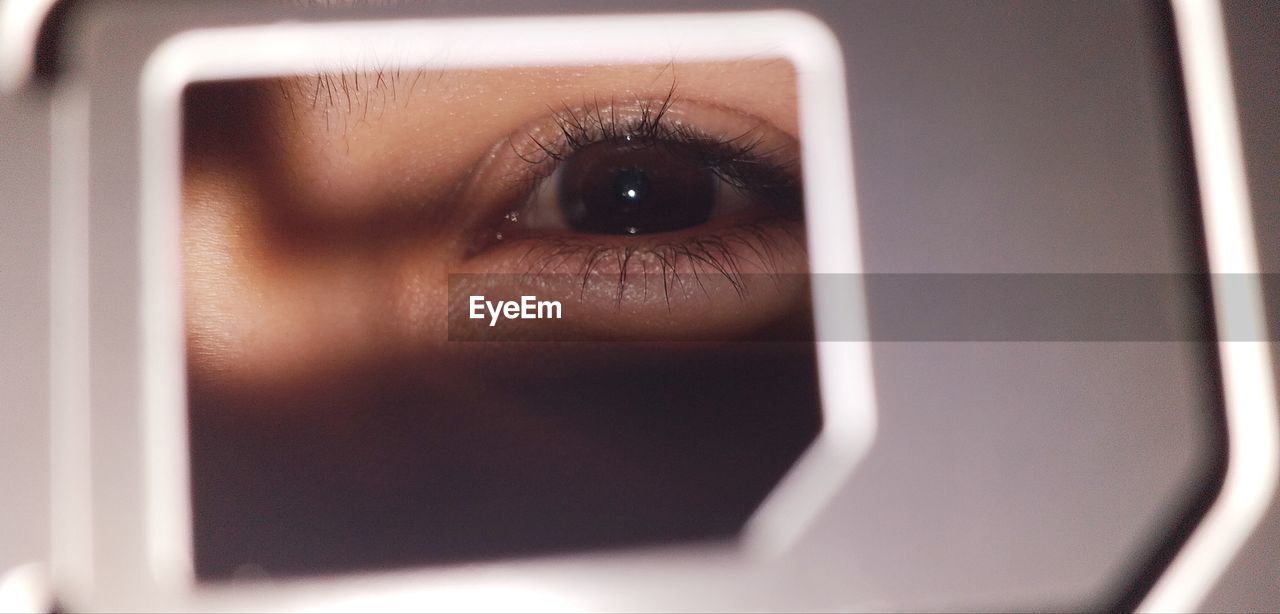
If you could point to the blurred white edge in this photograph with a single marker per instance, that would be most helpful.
(288, 49)
(25, 590)
(1251, 470)
(1253, 464)
(20, 23)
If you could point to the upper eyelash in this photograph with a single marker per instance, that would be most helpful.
(742, 161)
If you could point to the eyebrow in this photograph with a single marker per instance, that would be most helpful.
(379, 86)
(353, 92)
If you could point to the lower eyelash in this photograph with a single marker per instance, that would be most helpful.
(680, 263)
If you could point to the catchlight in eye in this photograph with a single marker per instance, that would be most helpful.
(612, 189)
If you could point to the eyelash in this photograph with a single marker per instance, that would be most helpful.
(740, 161)
(715, 251)
(743, 162)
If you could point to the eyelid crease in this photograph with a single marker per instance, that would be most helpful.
(745, 161)
(643, 121)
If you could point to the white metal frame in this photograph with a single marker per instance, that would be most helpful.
(290, 49)
(20, 23)
(1253, 464)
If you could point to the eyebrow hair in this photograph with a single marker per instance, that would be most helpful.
(369, 88)
(352, 93)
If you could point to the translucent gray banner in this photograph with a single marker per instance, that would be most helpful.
(728, 306)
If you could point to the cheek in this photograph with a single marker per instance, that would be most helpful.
(261, 309)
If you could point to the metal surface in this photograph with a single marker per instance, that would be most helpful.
(990, 137)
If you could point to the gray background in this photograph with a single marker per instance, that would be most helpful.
(990, 137)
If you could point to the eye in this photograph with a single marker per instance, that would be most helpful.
(653, 178)
(649, 219)
(623, 187)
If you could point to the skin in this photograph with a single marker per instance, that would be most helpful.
(344, 212)
(321, 223)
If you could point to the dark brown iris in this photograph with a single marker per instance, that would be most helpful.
(622, 188)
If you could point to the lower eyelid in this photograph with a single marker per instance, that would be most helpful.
(760, 241)
(725, 281)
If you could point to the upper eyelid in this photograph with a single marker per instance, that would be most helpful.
(570, 127)
(753, 146)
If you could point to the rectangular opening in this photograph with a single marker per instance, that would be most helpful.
(632, 236)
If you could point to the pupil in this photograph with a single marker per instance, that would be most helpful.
(631, 187)
(616, 187)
